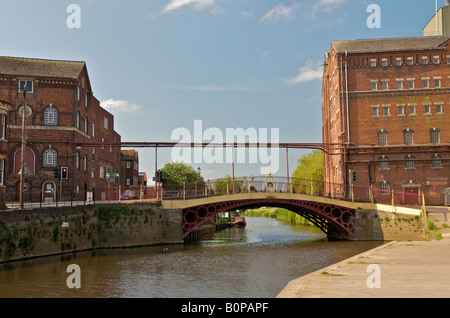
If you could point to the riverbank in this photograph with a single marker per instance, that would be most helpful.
(415, 269)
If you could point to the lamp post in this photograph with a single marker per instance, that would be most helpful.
(22, 168)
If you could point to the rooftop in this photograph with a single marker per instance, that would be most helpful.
(40, 67)
(390, 44)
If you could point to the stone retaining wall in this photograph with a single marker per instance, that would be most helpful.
(49, 231)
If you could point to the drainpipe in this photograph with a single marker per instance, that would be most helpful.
(346, 98)
(348, 124)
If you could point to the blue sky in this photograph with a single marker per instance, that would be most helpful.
(158, 65)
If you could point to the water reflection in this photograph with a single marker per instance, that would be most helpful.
(255, 261)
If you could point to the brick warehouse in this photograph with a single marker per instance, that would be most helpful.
(388, 100)
(64, 111)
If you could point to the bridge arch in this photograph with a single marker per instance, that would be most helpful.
(337, 222)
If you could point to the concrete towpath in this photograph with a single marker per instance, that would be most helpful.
(418, 269)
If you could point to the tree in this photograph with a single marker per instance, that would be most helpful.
(310, 166)
(178, 173)
(222, 184)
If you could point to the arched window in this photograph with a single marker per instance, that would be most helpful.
(385, 188)
(29, 161)
(436, 161)
(409, 162)
(50, 157)
(434, 135)
(384, 162)
(50, 116)
(408, 136)
(382, 137)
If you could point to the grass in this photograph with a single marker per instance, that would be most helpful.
(279, 214)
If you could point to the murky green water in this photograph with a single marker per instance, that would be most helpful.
(256, 261)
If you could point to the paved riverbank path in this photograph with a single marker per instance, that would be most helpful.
(417, 269)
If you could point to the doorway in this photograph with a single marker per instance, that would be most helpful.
(49, 191)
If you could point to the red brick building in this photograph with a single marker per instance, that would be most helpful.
(64, 112)
(129, 168)
(388, 101)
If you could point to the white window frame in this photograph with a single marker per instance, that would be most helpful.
(51, 115)
(2, 172)
(50, 158)
(3, 128)
(26, 83)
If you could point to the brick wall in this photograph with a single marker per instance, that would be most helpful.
(365, 125)
(80, 119)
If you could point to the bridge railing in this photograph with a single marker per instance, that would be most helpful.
(227, 186)
(68, 196)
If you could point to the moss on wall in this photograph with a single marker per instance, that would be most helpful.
(32, 233)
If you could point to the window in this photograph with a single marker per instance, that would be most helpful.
(412, 110)
(384, 62)
(424, 60)
(398, 61)
(77, 159)
(410, 61)
(382, 137)
(385, 188)
(436, 161)
(385, 85)
(86, 100)
(374, 86)
(128, 181)
(85, 162)
(93, 130)
(437, 82)
(86, 125)
(439, 109)
(102, 172)
(2, 171)
(78, 93)
(436, 60)
(375, 111)
(78, 121)
(434, 135)
(29, 85)
(408, 136)
(373, 62)
(3, 126)
(50, 157)
(409, 162)
(386, 111)
(410, 84)
(384, 162)
(128, 164)
(30, 160)
(427, 109)
(401, 111)
(399, 84)
(103, 140)
(50, 116)
(105, 123)
(426, 83)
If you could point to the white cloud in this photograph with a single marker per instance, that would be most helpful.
(280, 12)
(309, 72)
(121, 106)
(327, 5)
(265, 54)
(175, 5)
(247, 14)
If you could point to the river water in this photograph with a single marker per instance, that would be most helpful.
(252, 262)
